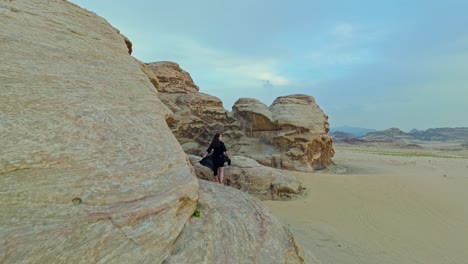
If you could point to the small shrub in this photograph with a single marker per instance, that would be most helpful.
(196, 213)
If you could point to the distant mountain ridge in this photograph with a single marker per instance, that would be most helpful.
(395, 134)
(354, 131)
(431, 134)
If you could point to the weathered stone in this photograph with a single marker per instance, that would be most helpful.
(152, 77)
(300, 113)
(196, 117)
(219, 235)
(290, 134)
(89, 172)
(253, 115)
(172, 79)
(248, 175)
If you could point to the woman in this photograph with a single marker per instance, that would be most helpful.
(218, 156)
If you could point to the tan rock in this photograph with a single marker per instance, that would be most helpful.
(248, 175)
(303, 140)
(197, 116)
(207, 107)
(300, 113)
(89, 172)
(253, 115)
(172, 79)
(149, 72)
(290, 134)
(219, 235)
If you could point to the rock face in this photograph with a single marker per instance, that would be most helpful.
(253, 115)
(300, 135)
(248, 175)
(89, 170)
(212, 239)
(290, 134)
(172, 79)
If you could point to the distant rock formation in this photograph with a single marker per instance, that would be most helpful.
(450, 138)
(458, 134)
(442, 134)
(391, 134)
(290, 134)
(89, 170)
(339, 135)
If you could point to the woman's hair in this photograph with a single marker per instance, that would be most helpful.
(215, 141)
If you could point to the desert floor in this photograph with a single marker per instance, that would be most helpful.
(383, 206)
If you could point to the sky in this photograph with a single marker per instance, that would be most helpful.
(370, 63)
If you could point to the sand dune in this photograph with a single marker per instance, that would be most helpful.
(384, 209)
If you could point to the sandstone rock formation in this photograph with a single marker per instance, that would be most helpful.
(172, 78)
(248, 175)
(298, 134)
(212, 239)
(89, 170)
(290, 134)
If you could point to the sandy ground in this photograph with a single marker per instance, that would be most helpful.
(376, 208)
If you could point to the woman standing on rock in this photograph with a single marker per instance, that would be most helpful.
(219, 156)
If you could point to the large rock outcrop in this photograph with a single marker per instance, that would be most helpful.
(269, 241)
(293, 125)
(290, 134)
(89, 170)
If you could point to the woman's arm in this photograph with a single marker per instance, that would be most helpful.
(208, 151)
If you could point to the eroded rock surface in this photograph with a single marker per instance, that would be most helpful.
(89, 170)
(298, 133)
(290, 134)
(172, 79)
(220, 233)
(248, 175)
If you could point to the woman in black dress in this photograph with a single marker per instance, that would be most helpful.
(219, 153)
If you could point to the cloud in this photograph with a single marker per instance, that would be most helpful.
(343, 30)
(252, 71)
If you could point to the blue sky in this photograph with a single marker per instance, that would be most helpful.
(373, 64)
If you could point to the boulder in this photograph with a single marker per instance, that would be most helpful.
(219, 234)
(299, 113)
(248, 175)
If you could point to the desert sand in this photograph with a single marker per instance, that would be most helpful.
(383, 206)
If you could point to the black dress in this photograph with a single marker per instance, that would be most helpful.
(217, 156)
